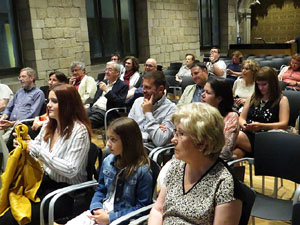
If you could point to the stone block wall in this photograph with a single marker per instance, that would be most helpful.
(54, 33)
(173, 27)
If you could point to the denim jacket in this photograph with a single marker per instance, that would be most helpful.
(131, 194)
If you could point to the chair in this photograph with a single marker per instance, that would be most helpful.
(264, 55)
(294, 102)
(269, 57)
(175, 65)
(155, 168)
(258, 59)
(296, 214)
(186, 80)
(170, 72)
(265, 63)
(81, 199)
(276, 154)
(100, 77)
(280, 55)
(162, 155)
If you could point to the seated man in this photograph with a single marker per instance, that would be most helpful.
(192, 93)
(111, 93)
(185, 70)
(216, 66)
(85, 84)
(153, 112)
(5, 95)
(27, 103)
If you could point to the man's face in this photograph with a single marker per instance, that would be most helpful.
(189, 60)
(25, 80)
(110, 73)
(115, 59)
(214, 53)
(150, 65)
(150, 89)
(77, 72)
(199, 75)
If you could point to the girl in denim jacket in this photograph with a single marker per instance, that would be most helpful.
(125, 181)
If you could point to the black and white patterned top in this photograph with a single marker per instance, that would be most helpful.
(263, 113)
(197, 206)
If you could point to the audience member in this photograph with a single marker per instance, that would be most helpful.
(291, 74)
(85, 84)
(115, 57)
(234, 69)
(5, 96)
(153, 112)
(185, 70)
(27, 102)
(62, 147)
(111, 93)
(54, 78)
(199, 188)
(243, 87)
(216, 66)
(266, 109)
(125, 182)
(218, 93)
(131, 75)
(192, 93)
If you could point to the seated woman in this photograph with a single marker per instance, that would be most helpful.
(199, 187)
(291, 74)
(54, 78)
(125, 181)
(62, 146)
(243, 87)
(266, 109)
(218, 93)
(234, 69)
(131, 75)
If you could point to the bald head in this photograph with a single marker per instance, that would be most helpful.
(150, 65)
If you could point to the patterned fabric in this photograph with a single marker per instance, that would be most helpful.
(197, 206)
(263, 113)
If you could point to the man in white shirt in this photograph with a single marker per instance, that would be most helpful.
(216, 66)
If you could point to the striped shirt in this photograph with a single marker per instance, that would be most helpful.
(67, 160)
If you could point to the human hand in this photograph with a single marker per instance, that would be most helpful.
(212, 59)
(229, 71)
(178, 79)
(36, 123)
(100, 216)
(72, 80)
(147, 105)
(162, 127)
(239, 101)
(3, 117)
(103, 86)
(292, 83)
(4, 124)
(16, 143)
(254, 126)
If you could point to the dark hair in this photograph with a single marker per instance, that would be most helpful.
(135, 63)
(158, 76)
(216, 49)
(193, 56)
(268, 74)
(222, 88)
(199, 64)
(70, 110)
(115, 54)
(133, 154)
(61, 77)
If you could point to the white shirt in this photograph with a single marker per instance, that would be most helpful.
(5, 92)
(220, 63)
(102, 100)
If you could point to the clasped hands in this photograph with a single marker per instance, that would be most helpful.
(100, 216)
(254, 126)
(4, 123)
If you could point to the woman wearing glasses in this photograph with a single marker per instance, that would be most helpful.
(199, 187)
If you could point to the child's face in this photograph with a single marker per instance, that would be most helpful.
(114, 143)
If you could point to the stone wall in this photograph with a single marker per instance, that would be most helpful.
(173, 29)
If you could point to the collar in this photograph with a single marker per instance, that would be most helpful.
(159, 103)
(29, 90)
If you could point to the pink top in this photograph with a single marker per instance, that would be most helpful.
(291, 76)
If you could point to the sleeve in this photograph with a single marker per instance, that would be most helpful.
(225, 191)
(10, 106)
(235, 84)
(143, 194)
(39, 100)
(284, 69)
(90, 90)
(222, 66)
(77, 149)
(100, 193)
(159, 137)
(183, 97)
(6, 93)
(231, 131)
(134, 79)
(119, 97)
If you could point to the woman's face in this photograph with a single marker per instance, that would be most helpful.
(247, 71)
(128, 65)
(53, 106)
(235, 59)
(295, 65)
(263, 87)
(184, 145)
(114, 143)
(208, 96)
(52, 80)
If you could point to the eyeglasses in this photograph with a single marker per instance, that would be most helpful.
(178, 134)
(75, 70)
(148, 65)
(114, 59)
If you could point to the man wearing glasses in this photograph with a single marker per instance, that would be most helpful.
(85, 84)
(215, 66)
(115, 57)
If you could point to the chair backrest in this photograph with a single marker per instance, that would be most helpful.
(186, 80)
(170, 72)
(100, 77)
(278, 62)
(155, 168)
(265, 63)
(277, 154)
(294, 102)
(247, 204)
(94, 154)
(296, 214)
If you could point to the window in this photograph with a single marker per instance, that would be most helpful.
(210, 28)
(111, 27)
(9, 55)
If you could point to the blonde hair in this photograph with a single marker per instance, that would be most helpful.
(204, 124)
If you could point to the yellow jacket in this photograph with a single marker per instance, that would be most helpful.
(20, 181)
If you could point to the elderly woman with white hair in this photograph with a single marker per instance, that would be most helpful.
(199, 188)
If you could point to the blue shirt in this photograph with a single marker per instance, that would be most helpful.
(25, 104)
(131, 194)
(235, 67)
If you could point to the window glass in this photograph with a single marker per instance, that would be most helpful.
(8, 44)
